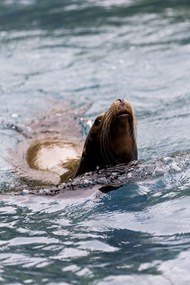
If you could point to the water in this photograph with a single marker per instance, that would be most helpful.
(92, 52)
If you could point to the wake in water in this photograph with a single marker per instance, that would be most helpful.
(111, 178)
(42, 175)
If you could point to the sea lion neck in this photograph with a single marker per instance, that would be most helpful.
(122, 139)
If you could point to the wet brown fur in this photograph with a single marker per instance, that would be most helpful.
(111, 139)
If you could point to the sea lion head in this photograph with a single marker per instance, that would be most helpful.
(111, 139)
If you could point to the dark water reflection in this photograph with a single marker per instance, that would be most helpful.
(83, 52)
(48, 15)
(47, 240)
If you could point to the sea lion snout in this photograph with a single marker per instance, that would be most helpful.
(122, 101)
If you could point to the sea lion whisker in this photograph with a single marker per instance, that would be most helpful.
(112, 114)
(103, 143)
(107, 152)
(107, 149)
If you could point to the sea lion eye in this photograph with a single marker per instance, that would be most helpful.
(97, 121)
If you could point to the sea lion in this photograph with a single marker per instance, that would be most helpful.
(111, 139)
(51, 151)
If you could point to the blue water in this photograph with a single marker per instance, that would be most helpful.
(89, 53)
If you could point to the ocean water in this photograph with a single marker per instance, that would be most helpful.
(89, 53)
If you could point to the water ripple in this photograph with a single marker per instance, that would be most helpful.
(93, 52)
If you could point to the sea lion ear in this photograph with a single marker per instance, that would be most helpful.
(97, 121)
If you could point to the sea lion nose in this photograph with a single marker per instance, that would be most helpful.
(122, 101)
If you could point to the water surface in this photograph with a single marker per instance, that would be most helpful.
(89, 53)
